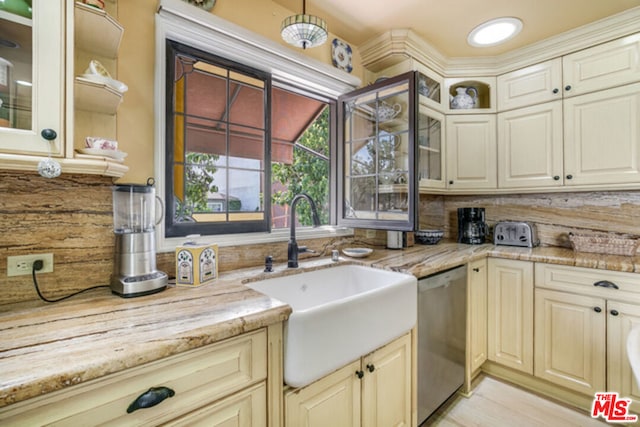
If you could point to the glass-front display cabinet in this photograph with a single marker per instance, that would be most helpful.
(31, 77)
(377, 155)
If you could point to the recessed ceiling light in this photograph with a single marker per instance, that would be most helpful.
(494, 32)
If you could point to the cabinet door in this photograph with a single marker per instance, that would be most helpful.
(570, 340)
(530, 146)
(602, 137)
(377, 159)
(603, 66)
(26, 110)
(430, 148)
(386, 386)
(471, 151)
(531, 85)
(247, 408)
(510, 320)
(476, 316)
(621, 318)
(331, 401)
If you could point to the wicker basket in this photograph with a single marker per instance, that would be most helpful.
(604, 244)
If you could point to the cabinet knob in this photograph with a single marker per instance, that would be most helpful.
(476, 270)
(569, 176)
(567, 87)
(360, 374)
(451, 182)
(49, 134)
(556, 177)
(370, 367)
(597, 309)
(556, 90)
(150, 398)
(614, 312)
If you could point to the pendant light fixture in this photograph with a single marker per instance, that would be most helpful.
(304, 30)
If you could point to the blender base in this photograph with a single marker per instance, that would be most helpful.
(137, 286)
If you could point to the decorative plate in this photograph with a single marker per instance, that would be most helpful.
(341, 55)
(202, 4)
(357, 252)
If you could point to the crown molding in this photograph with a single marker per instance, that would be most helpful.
(392, 47)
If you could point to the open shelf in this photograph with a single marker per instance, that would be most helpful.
(96, 97)
(96, 31)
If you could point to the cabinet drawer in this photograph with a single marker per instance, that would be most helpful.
(582, 280)
(197, 377)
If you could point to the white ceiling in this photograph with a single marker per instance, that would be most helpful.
(445, 23)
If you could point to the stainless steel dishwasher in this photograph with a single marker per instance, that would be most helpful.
(442, 307)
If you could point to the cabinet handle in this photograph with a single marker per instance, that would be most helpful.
(150, 398)
(360, 374)
(567, 87)
(451, 182)
(476, 270)
(556, 177)
(49, 134)
(606, 284)
(371, 368)
(569, 176)
(614, 312)
(556, 90)
(597, 309)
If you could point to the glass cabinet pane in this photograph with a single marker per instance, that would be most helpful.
(16, 62)
(429, 146)
(378, 154)
(429, 87)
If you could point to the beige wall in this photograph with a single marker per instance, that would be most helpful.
(136, 59)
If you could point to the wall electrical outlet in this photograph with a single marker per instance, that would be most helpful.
(23, 264)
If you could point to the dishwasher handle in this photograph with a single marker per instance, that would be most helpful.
(441, 279)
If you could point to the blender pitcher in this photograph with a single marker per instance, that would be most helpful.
(134, 208)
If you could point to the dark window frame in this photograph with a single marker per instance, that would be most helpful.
(174, 229)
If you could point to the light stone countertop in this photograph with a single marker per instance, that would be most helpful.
(47, 347)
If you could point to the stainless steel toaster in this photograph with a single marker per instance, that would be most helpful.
(515, 233)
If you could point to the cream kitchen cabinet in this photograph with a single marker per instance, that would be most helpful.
(431, 148)
(570, 340)
(601, 144)
(582, 320)
(530, 146)
(62, 33)
(216, 383)
(471, 152)
(606, 65)
(373, 391)
(531, 85)
(510, 313)
(476, 319)
(31, 109)
(588, 140)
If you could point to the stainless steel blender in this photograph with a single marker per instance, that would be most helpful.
(134, 222)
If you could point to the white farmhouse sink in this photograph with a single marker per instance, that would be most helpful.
(633, 351)
(339, 314)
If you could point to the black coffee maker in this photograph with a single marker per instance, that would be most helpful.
(471, 226)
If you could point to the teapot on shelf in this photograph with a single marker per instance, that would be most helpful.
(466, 98)
(385, 112)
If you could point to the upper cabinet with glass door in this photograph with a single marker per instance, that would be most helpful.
(377, 155)
(31, 77)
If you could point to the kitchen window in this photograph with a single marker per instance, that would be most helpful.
(239, 147)
(299, 95)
